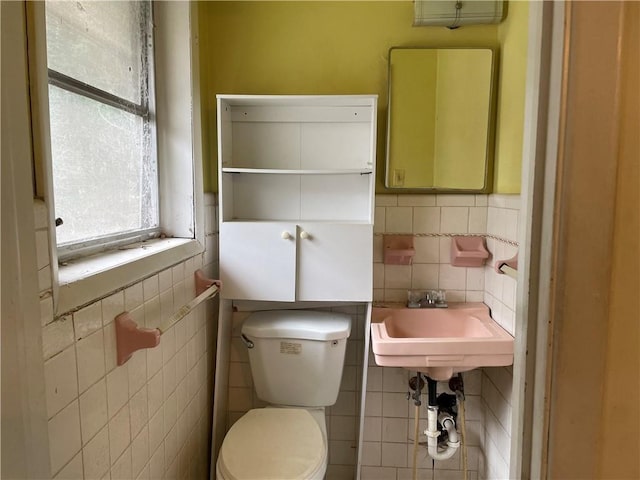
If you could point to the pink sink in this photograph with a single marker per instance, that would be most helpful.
(439, 341)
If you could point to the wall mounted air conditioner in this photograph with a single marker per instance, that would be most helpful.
(452, 13)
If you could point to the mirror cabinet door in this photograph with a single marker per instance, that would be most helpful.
(440, 125)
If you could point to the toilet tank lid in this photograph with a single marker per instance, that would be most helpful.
(300, 324)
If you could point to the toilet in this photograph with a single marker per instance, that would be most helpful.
(296, 358)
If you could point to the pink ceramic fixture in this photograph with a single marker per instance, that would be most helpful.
(439, 342)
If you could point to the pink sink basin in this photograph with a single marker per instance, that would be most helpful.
(439, 341)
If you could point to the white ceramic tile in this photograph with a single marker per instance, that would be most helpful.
(478, 220)
(378, 275)
(40, 215)
(472, 296)
(64, 436)
(150, 288)
(110, 347)
(42, 248)
(497, 435)
(386, 200)
(454, 220)
(379, 473)
(426, 219)
(345, 405)
(44, 279)
(395, 380)
(427, 250)
(394, 430)
(398, 219)
(378, 249)
(96, 455)
(452, 278)
(57, 336)
(139, 452)
(502, 378)
(117, 389)
(169, 377)
(169, 345)
(373, 405)
(394, 454)
(475, 279)
(482, 200)
(157, 467)
(156, 430)
(119, 433)
(371, 454)
(342, 452)
(379, 219)
(496, 403)
(154, 360)
(137, 369)
(455, 200)
(445, 249)
(418, 200)
(374, 379)
(87, 320)
(495, 221)
(90, 356)
(93, 410)
(170, 411)
(165, 280)
(170, 446)
(397, 276)
(395, 405)
(112, 306)
(61, 381)
(133, 297)
(509, 286)
(372, 429)
(155, 393)
(425, 276)
(138, 411)
(395, 295)
(46, 310)
(472, 381)
(152, 315)
(121, 468)
(342, 427)
(72, 470)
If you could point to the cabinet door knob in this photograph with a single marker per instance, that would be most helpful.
(286, 235)
(304, 235)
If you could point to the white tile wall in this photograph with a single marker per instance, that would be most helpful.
(149, 418)
(388, 432)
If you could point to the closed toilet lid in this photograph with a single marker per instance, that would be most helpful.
(272, 443)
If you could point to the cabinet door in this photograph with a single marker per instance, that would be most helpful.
(258, 260)
(335, 262)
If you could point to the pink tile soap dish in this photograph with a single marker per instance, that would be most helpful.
(398, 249)
(468, 251)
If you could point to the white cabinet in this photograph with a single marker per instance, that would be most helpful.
(296, 178)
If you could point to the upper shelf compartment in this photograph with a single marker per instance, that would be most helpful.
(298, 172)
(297, 135)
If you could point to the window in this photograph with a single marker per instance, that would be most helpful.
(104, 168)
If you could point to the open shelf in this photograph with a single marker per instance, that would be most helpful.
(277, 171)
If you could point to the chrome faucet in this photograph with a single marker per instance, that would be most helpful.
(426, 299)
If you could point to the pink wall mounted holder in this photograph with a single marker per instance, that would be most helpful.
(468, 251)
(398, 249)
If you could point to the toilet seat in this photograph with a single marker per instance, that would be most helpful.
(273, 443)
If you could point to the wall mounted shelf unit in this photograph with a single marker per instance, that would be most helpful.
(297, 180)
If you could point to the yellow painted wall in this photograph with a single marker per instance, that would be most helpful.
(513, 36)
(310, 47)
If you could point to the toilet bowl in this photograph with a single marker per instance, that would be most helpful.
(296, 360)
(275, 444)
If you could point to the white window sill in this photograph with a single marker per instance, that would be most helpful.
(87, 279)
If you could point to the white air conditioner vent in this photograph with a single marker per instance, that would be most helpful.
(452, 13)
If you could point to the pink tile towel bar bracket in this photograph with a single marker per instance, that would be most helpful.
(131, 338)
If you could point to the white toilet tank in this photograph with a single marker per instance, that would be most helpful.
(297, 356)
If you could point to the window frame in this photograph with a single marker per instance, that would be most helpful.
(144, 110)
(177, 115)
